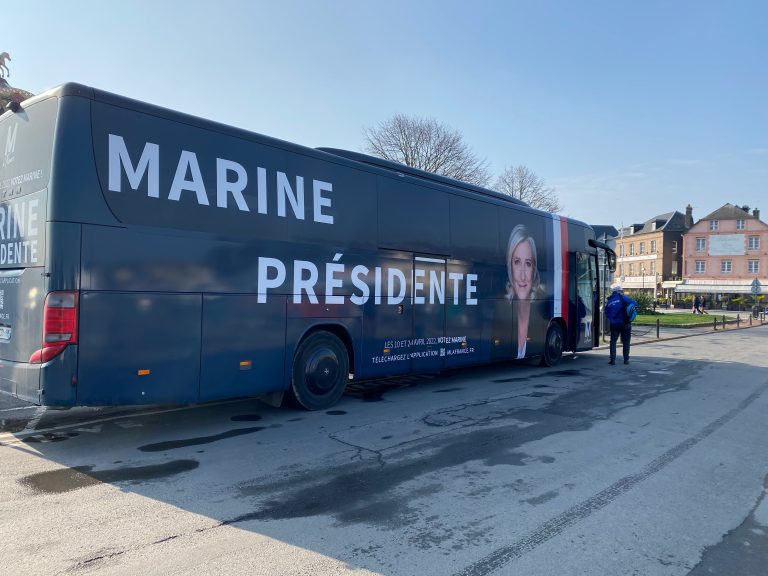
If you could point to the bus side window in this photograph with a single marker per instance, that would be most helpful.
(474, 230)
(412, 218)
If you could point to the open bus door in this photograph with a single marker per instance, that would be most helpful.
(586, 301)
(606, 266)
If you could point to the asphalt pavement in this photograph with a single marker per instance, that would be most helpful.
(656, 468)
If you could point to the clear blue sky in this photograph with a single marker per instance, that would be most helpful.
(629, 109)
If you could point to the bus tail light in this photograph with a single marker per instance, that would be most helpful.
(59, 325)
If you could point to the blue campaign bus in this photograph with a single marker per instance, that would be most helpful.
(148, 257)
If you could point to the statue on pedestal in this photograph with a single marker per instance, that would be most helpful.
(10, 97)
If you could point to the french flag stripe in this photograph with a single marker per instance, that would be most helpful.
(560, 236)
(558, 287)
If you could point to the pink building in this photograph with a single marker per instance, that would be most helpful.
(724, 253)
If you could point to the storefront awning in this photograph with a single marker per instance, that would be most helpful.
(713, 288)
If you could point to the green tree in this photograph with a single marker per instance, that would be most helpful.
(644, 301)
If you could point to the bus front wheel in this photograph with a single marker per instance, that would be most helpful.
(553, 345)
(320, 371)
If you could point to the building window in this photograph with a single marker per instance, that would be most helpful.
(653, 246)
(754, 242)
(700, 268)
(739, 224)
(632, 249)
(621, 269)
(631, 269)
(674, 268)
(726, 266)
(701, 244)
(753, 266)
(621, 249)
(642, 247)
(714, 224)
(674, 246)
(653, 268)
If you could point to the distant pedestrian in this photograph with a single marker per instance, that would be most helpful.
(621, 325)
(696, 304)
(703, 308)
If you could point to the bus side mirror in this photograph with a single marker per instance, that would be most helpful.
(611, 260)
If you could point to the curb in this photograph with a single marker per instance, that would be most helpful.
(680, 336)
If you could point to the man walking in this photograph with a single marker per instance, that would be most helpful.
(621, 325)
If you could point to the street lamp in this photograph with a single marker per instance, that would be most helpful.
(642, 273)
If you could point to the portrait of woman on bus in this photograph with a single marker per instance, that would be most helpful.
(523, 282)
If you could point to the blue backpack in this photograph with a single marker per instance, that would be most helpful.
(630, 311)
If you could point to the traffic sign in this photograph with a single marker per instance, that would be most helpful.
(756, 288)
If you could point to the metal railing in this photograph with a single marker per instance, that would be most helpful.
(719, 323)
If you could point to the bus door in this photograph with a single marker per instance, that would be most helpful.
(429, 293)
(388, 320)
(585, 325)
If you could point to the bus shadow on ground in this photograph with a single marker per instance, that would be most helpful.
(273, 466)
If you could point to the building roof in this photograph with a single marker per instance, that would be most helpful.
(605, 231)
(669, 222)
(729, 212)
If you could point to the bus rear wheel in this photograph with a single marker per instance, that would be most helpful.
(320, 371)
(553, 345)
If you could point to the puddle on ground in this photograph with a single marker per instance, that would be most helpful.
(374, 391)
(564, 373)
(246, 418)
(68, 479)
(174, 444)
(13, 425)
(49, 437)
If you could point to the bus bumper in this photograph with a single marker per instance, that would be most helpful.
(50, 384)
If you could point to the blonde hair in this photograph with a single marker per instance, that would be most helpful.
(520, 234)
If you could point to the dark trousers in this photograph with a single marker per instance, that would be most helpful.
(625, 331)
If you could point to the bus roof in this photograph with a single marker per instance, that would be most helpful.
(398, 167)
(81, 90)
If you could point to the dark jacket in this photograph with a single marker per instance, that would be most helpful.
(614, 308)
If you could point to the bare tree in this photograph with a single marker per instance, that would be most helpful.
(428, 145)
(522, 183)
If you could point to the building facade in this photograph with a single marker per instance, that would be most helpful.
(726, 255)
(649, 255)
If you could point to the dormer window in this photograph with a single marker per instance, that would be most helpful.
(714, 225)
(740, 224)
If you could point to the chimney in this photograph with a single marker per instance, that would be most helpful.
(688, 216)
(756, 213)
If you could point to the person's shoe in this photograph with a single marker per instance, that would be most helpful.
(626, 361)
(611, 362)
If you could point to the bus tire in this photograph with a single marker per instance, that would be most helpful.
(553, 345)
(320, 371)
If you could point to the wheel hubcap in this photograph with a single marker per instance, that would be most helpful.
(322, 371)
